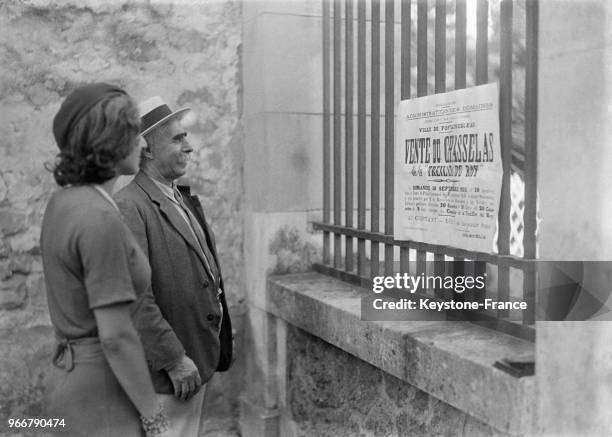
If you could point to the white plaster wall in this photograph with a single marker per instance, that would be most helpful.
(574, 359)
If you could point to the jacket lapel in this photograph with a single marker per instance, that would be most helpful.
(195, 206)
(169, 211)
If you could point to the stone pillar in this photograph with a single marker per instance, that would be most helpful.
(282, 178)
(575, 171)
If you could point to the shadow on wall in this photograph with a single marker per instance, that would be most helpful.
(293, 254)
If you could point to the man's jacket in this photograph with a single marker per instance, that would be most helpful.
(180, 313)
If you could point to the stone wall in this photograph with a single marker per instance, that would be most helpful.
(330, 392)
(187, 53)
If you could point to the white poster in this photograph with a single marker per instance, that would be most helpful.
(448, 168)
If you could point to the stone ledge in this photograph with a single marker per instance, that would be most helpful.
(452, 361)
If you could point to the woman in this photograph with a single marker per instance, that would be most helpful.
(93, 270)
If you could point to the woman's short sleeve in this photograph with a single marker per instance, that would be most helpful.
(106, 261)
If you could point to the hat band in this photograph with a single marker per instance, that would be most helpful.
(153, 116)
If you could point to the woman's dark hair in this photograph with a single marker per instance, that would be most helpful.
(99, 140)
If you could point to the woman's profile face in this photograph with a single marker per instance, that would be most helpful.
(131, 163)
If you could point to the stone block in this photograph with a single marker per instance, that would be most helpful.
(321, 380)
(283, 159)
(24, 364)
(451, 361)
(570, 357)
(254, 8)
(281, 363)
(13, 293)
(3, 189)
(29, 316)
(399, 394)
(22, 263)
(6, 269)
(291, 64)
(26, 242)
(583, 24)
(446, 420)
(23, 192)
(252, 69)
(13, 222)
(256, 166)
(409, 426)
(285, 74)
(379, 420)
(4, 249)
(39, 95)
(558, 132)
(36, 291)
(132, 45)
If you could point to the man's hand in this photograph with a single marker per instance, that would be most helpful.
(185, 378)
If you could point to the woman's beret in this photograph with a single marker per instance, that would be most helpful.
(76, 106)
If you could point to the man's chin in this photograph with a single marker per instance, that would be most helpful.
(179, 173)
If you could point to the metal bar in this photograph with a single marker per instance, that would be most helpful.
(440, 87)
(440, 48)
(421, 261)
(505, 122)
(375, 136)
(361, 133)
(460, 43)
(481, 270)
(350, 278)
(404, 260)
(458, 270)
(477, 317)
(422, 58)
(357, 233)
(503, 288)
(439, 270)
(529, 286)
(422, 48)
(348, 130)
(389, 125)
(531, 154)
(337, 133)
(458, 254)
(405, 50)
(482, 42)
(326, 128)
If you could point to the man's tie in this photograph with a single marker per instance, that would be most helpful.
(199, 233)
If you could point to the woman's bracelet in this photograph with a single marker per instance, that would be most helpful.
(155, 424)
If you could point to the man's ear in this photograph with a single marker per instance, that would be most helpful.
(146, 152)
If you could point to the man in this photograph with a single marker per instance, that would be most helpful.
(183, 321)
